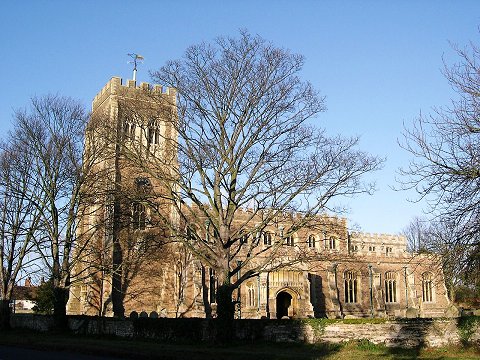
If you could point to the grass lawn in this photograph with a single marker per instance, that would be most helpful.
(142, 349)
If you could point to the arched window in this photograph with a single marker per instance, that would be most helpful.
(289, 240)
(126, 128)
(311, 241)
(390, 287)
(139, 218)
(179, 280)
(267, 238)
(427, 287)
(152, 133)
(351, 286)
(251, 296)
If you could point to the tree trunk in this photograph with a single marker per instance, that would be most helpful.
(60, 298)
(117, 283)
(225, 305)
(205, 297)
(117, 256)
(4, 314)
(225, 314)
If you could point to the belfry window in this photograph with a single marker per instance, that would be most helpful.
(390, 287)
(427, 287)
(128, 129)
(351, 287)
(152, 134)
(311, 241)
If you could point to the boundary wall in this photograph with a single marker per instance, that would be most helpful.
(399, 333)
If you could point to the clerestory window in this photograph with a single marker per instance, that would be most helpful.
(289, 241)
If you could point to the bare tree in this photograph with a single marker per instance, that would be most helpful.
(417, 233)
(445, 169)
(442, 240)
(51, 132)
(249, 156)
(18, 223)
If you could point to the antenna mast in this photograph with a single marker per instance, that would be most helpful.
(136, 59)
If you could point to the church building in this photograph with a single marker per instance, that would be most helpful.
(128, 268)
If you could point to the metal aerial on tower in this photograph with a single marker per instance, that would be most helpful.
(136, 59)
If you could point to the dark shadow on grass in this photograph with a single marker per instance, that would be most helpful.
(154, 349)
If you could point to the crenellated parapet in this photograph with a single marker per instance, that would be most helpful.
(385, 244)
(115, 86)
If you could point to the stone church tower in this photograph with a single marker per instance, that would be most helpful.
(130, 129)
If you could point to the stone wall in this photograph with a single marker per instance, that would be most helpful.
(411, 333)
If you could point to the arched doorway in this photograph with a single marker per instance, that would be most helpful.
(284, 302)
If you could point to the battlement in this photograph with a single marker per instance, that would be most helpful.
(116, 86)
(378, 239)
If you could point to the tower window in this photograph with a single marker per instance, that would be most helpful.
(126, 128)
(311, 241)
(139, 218)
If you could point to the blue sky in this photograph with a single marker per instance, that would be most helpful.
(377, 62)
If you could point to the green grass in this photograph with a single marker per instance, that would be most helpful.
(142, 349)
